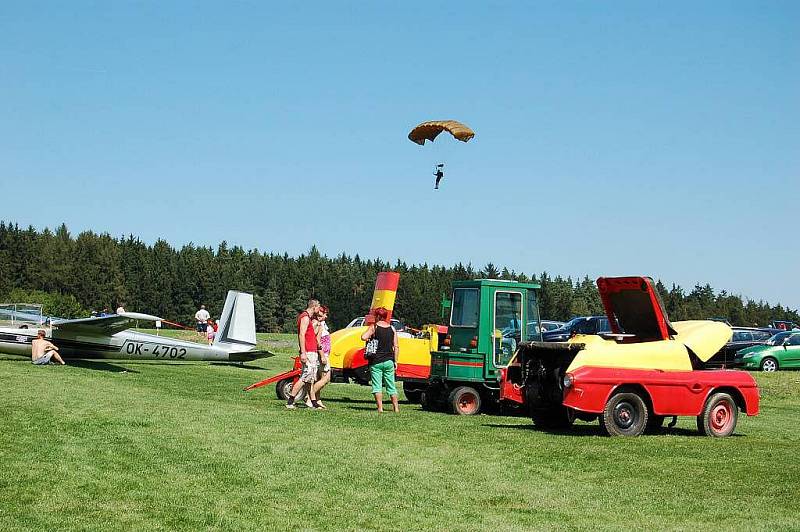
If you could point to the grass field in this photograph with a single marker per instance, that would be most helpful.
(117, 446)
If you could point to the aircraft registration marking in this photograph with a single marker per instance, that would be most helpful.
(156, 350)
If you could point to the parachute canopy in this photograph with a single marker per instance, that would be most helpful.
(430, 130)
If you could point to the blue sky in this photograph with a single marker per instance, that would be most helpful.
(612, 138)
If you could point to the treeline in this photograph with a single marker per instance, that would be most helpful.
(73, 275)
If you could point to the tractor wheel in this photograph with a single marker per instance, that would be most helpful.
(625, 414)
(465, 401)
(654, 424)
(769, 364)
(719, 416)
(559, 417)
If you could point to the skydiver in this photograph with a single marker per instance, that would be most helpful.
(439, 173)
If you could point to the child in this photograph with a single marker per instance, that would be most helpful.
(211, 330)
(324, 342)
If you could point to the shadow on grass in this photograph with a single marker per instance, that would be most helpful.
(594, 430)
(234, 365)
(347, 400)
(97, 365)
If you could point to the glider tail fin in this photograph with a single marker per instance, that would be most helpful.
(237, 324)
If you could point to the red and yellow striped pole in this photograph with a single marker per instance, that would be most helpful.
(384, 294)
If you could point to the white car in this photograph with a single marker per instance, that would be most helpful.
(359, 322)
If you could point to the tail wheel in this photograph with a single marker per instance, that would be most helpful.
(625, 414)
(719, 416)
(465, 401)
(769, 364)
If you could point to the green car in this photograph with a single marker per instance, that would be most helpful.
(782, 351)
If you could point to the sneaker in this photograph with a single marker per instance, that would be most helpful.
(321, 406)
(290, 407)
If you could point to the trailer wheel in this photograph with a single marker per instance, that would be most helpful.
(560, 417)
(465, 401)
(284, 387)
(625, 414)
(719, 416)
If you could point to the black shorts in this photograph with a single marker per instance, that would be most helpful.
(201, 327)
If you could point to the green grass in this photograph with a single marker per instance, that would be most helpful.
(118, 446)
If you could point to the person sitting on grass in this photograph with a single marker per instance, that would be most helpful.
(383, 361)
(42, 351)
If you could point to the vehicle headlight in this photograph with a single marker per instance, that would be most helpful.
(568, 381)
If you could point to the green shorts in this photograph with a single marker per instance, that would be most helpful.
(382, 374)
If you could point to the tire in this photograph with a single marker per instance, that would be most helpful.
(284, 387)
(625, 414)
(464, 401)
(769, 365)
(414, 395)
(719, 416)
(654, 424)
(559, 417)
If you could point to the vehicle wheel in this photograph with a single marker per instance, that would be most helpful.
(283, 388)
(769, 364)
(559, 417)
(465, 401)
(625, 414)
(414, 395)
(719, 416)
(654, 424)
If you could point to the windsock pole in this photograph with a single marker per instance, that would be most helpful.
(384, 295)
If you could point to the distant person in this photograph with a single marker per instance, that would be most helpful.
(383, 362)
(307, 343)
(439, 173)
(42, 351)
(211, 330)
(121, 308)
(104, 312)
(201, 316)
(324, 350)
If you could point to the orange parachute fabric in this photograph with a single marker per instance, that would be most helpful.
(430, 130)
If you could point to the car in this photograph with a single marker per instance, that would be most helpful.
(549, 325)
(631, 379)
(782, 351)
(579, 325)
(742, 338)
(397, 325)
(784, 325)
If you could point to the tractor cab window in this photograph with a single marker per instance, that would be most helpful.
(534, 331)
(507, 325)
(464, 312)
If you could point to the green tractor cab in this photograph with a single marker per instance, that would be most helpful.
(489, 318)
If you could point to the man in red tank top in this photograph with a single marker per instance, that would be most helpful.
(307, 343)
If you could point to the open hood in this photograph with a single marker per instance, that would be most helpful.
(633, 306)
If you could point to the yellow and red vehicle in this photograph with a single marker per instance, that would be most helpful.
(631, 379)
(347, 350)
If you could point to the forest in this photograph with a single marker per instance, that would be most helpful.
(73, 275)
